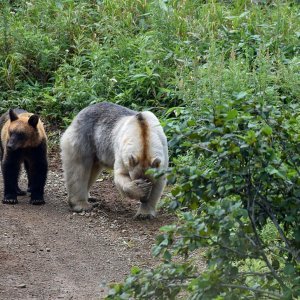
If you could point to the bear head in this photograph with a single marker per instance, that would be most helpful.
(22, 131)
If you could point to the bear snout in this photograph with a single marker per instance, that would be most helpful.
(12, 145)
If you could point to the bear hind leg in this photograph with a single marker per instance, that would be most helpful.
(77, 177)
(26, 164)
(95, 171)
(37, 175)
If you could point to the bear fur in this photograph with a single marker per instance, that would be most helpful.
(107, 135)
(23, 140)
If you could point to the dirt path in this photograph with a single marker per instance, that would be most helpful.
(47, 252)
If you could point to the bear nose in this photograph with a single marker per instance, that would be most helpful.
(10, 146)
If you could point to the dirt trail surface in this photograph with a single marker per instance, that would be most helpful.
(48, 252)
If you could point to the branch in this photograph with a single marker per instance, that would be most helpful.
(200, 146)
(267, 207)
(240, 254)
(259, 244)
(254, 274)
(243, 287)
(251, 214)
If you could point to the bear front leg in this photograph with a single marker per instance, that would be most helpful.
(147, 207)
(37, 174)
(10, 170)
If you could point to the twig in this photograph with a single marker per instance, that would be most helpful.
(205, 148)
(254, 274)
(243, 287)
(267, 207)
(251, 214)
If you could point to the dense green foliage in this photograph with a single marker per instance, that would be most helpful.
(224, 76)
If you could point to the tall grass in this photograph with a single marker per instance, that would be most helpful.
(58, 57)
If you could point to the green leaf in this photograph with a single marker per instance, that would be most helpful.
(267, 130)
(156, 250)
(289, 269)
(240, 95)
(273, 171)
(231, 115)
(297, 235)
(168, 228)
(135, 270)
(167, 255)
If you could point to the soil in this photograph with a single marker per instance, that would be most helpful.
(49, 252)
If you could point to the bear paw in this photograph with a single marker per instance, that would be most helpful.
(139, 216)
(10, 201)
(138, 189)
(145, 212)
(37, 201)
(82, 206)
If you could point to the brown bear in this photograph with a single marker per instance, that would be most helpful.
(23, 140)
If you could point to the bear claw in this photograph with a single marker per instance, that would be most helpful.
(37, 201)
(10, 201)
(143, 217)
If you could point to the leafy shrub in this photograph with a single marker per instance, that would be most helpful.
(236, 183)
(242, 191)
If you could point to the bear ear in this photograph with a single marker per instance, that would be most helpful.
(155, 162)
(133, 161)
(140, 116)
(33, 120)
(12, 115)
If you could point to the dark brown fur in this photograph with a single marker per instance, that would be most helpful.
(23, 140)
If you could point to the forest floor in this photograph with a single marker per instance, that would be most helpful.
(49, 252)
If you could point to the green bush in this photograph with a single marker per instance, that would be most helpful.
(238, 191)
(236, 180)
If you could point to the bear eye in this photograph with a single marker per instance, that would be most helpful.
(20, 136)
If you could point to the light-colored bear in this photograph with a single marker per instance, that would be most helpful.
(107, 135)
